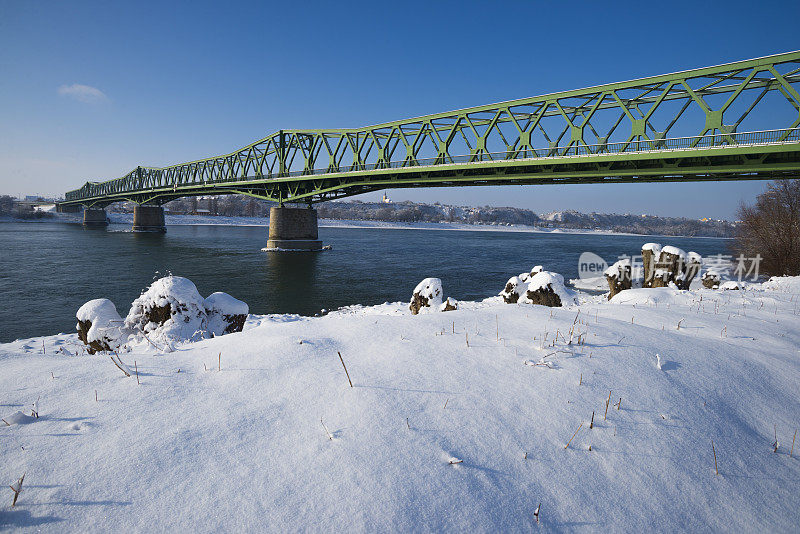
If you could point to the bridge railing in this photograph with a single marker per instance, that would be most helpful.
(765, 137)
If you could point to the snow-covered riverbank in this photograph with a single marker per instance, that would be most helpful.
(190, 220)
(456, 421)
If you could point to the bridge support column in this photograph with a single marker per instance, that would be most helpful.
(95, 217)
(293, 229)
(148, 219)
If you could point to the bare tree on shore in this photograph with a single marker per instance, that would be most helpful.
(771, 229)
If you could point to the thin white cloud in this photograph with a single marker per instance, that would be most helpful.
(83, 93)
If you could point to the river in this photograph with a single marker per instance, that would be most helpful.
(48, 269)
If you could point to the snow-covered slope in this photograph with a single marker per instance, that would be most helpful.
(261, 431)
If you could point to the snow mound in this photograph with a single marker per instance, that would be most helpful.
(427, 296)
(224, 313)
(730, 285)
(786, 284)
(100, 326)
(653, 296)
(18, 418)
(170, 310)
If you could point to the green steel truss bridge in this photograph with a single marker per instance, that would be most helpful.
(737, 121)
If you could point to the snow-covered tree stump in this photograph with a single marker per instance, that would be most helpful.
(99, 326)
(226, 314)
(618, 277)
(427, 294)
(650, 255)
(710, 280)
(512, 290)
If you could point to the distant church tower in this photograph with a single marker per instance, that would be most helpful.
(385, 199)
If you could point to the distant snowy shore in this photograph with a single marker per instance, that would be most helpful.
(192, 220)
(601, 415)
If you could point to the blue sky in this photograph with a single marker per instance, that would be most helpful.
(89, 90)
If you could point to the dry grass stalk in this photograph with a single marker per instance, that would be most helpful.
(716, 470)
(327, 432)
(608, 401)
(591, 423)
(791, 451)
(407, 424)
(95, 396)
(345, 368)
(445, 403)
(120, 366)
(536, 513)
(219, 362)
(775, 443)
(619, 404)
(17, 489)
(573, 436)
(580, 380)
(466, 336)
(136, 367)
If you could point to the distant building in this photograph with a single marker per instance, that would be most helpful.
(385, 199)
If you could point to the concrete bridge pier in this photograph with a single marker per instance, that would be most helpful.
(95, 217)
(148, 219)
(293, 229)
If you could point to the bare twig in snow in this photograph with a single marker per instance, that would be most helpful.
(573, 436)
(536, 513)
(715, 457)
(327, 432)
(121, 366)
(345, 368)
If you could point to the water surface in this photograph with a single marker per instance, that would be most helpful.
(48, 270)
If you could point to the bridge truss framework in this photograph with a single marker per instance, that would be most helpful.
(743, 119)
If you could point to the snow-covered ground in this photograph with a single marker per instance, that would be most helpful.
(457, 421)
